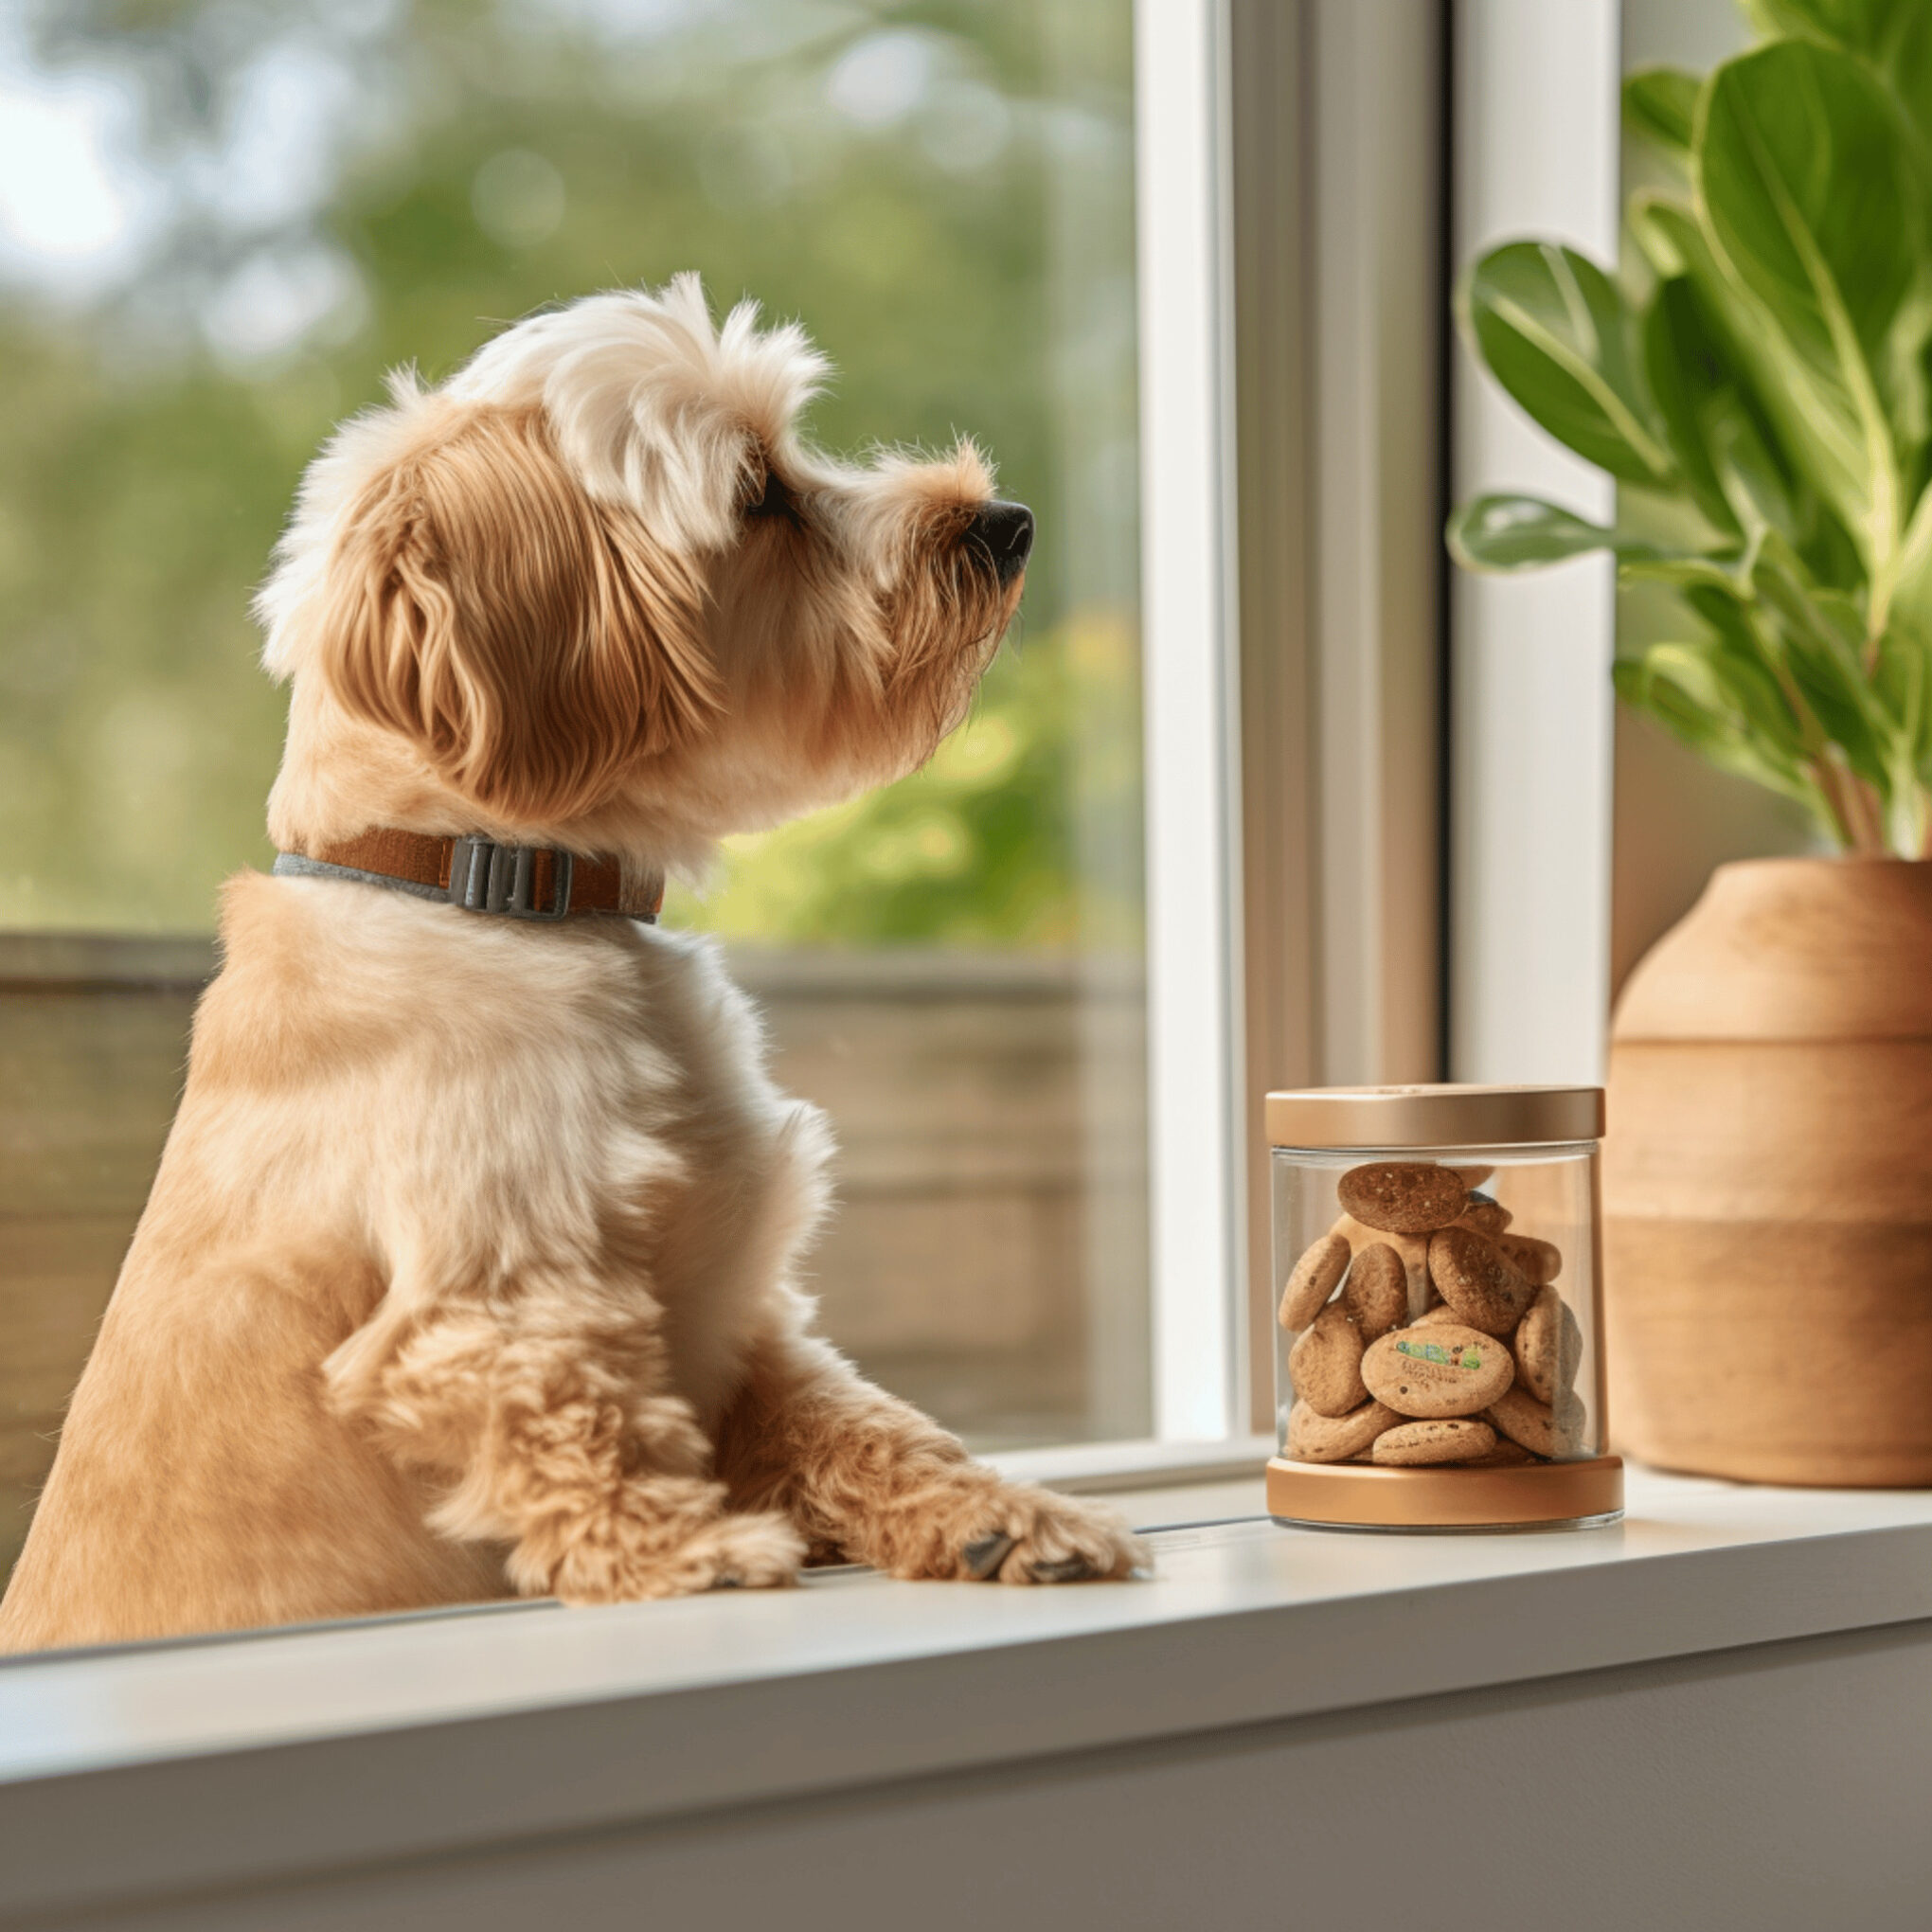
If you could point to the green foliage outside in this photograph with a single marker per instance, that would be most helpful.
(940, 190)
(1761, 389)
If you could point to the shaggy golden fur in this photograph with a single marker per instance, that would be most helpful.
(470, 1265)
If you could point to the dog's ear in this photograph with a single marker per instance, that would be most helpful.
(532, 643)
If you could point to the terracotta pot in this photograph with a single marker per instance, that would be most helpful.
(1767, 1180)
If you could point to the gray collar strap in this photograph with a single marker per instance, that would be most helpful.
(477, 874)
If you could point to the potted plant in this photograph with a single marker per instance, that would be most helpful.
(1761, 389)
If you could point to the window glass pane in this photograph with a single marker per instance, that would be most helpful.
(218, 226)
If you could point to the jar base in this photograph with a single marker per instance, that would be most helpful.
(1356, 1496)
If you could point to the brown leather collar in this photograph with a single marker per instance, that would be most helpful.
(516, 882)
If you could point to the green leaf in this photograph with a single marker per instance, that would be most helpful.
(1823, 638)
(1687, 371)
(1894, 35)
(1903, 679)
(1718, 706)
(1687, 572)
(1809, 191)
(1912, 589)
(1852, 24)
(1504, 534)
(1838, 454)
(1554, 331)
(1660, 103)
(1753, 485)
(1806, 191)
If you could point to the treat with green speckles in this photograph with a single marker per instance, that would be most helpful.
(1441, 1370)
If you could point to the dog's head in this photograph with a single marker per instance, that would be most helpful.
(596, 589)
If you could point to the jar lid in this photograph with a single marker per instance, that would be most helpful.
(1434, 1115)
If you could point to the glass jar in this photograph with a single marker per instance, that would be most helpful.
(1439, 1359)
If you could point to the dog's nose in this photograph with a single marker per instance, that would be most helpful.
(1006, 529)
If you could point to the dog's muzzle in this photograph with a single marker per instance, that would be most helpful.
(1005, 531)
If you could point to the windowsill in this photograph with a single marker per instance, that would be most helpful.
(328, 1748)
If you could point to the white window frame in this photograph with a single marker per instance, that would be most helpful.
(1340, 836)
(1537, 91)
(1190, 685)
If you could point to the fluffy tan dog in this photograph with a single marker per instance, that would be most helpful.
(470, 1265)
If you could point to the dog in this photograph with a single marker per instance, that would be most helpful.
(471, 1268)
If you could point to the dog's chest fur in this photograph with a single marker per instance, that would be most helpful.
(496, 1107)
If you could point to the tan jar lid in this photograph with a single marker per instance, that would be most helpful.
(1434, 1115)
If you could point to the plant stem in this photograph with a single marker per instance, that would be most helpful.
(1855, 804)
(1828, 778)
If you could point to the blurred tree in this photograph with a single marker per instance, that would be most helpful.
(323, 190)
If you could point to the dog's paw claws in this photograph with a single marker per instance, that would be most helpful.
(1072, 1569)
(984, 1555)
(1048, 1539)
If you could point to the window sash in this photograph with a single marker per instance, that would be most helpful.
(1191, 697)
(1294, 319)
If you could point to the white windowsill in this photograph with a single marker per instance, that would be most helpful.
(327, 1750)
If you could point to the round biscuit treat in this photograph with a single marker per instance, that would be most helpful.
(1548, 1346)
(1414, 1444)
(1413, 1250)
(1474, 1177)
(1313, 1280)
(1537, 1261)
(1539, 1428)
(1484, 1215)
(1325, 1363)
(1403, 1196)
(1377, 1293)
(1473, 1279)
(1435, 1317)
(1506, 1454)
(1315, 1438)
(1441, 1370)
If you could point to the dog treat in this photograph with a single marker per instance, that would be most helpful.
(1316, 1276)
(1475, 1280)
(1538, 1261)
(1415, 1444)
(1377, 1293)
(1548, 1346)
(1484, 1215)
(1539, 1428)
(1441, 1370)
(1325, 1365)
(1427, 1304)
(1413, 1250)
(1403, 1196)
(1315, 1438)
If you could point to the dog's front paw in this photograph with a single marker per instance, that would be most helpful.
(761, 1552)
(752, 1552)
(1036, 1537)
(1013, 1533)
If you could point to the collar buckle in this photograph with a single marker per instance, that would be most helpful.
(502, 879)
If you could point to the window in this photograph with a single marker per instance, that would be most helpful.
(221, 225)
(1179, 263)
